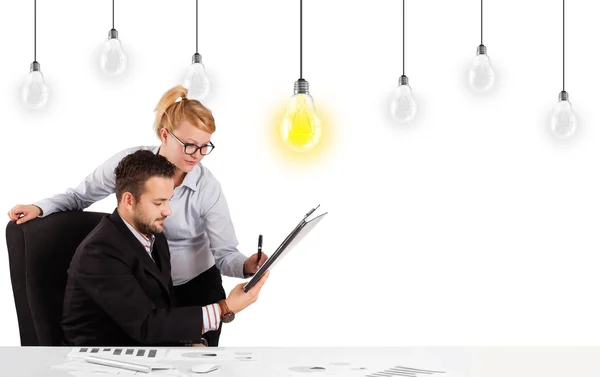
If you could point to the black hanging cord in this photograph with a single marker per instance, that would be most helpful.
(481, 21)
(113, 14)
(196, 26)
(402, 37)
(563, 45)
(300, 39)
(34, 29)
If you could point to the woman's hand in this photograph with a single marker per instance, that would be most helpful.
(252, 264)
(22, 213)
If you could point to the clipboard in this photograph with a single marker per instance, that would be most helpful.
(295, 236)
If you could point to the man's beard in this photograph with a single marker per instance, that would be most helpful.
(146, 227)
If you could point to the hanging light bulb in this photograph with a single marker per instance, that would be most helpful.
(403, 106)
(563, 122)
(301, 128)
(481, 74)
(196, 81)
(35, 91)
(113, 60)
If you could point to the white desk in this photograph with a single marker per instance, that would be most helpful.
(271, 362)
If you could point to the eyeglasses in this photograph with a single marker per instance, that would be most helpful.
(191, 149)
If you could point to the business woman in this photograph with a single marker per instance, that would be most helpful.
(200, 233)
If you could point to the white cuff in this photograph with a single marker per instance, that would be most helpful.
(211, 318)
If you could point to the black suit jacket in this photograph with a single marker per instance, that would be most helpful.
(117, 295)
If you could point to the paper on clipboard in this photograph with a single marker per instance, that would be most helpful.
(295, 236)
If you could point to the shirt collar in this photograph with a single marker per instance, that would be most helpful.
(146, 241)
(191, 178)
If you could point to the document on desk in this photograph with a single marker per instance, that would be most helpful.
(80, 365)
(148, 354)
(84, 368)
(370, 362)
(118, 361)
(350, 369)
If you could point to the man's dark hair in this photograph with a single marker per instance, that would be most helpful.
(135, 169)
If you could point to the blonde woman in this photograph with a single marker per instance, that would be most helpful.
(200, 233)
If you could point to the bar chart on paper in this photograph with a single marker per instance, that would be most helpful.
(129, 353)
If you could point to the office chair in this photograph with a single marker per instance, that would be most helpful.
(39, 253)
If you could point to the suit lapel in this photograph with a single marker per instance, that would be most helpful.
(162, 253)
(145, 260)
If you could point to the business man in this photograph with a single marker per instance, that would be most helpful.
(119, 290)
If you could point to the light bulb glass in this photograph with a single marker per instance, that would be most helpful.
(112, 59)
(196, 81)
(403, 106)
(301, 128)
(563, 122)
(481, 74)
(35, 91)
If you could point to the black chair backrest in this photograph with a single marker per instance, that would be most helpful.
(40, 253)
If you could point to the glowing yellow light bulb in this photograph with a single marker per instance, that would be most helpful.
(301, 128)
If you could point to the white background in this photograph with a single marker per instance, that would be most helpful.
(471, 226)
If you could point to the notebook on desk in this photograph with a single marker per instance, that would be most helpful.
(295, 236)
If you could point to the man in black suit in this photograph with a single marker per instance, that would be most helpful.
(119, 290)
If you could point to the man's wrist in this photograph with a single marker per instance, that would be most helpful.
(227, 315)
(227, 302)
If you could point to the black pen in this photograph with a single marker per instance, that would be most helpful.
(259, 248)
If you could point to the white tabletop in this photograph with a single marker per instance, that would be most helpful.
(348, 362)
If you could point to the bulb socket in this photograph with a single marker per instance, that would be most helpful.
(301, 87)
(403, 80)
(35, 66)
(113, 34)
(481, 50)
(563, 96)
(196, 58)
